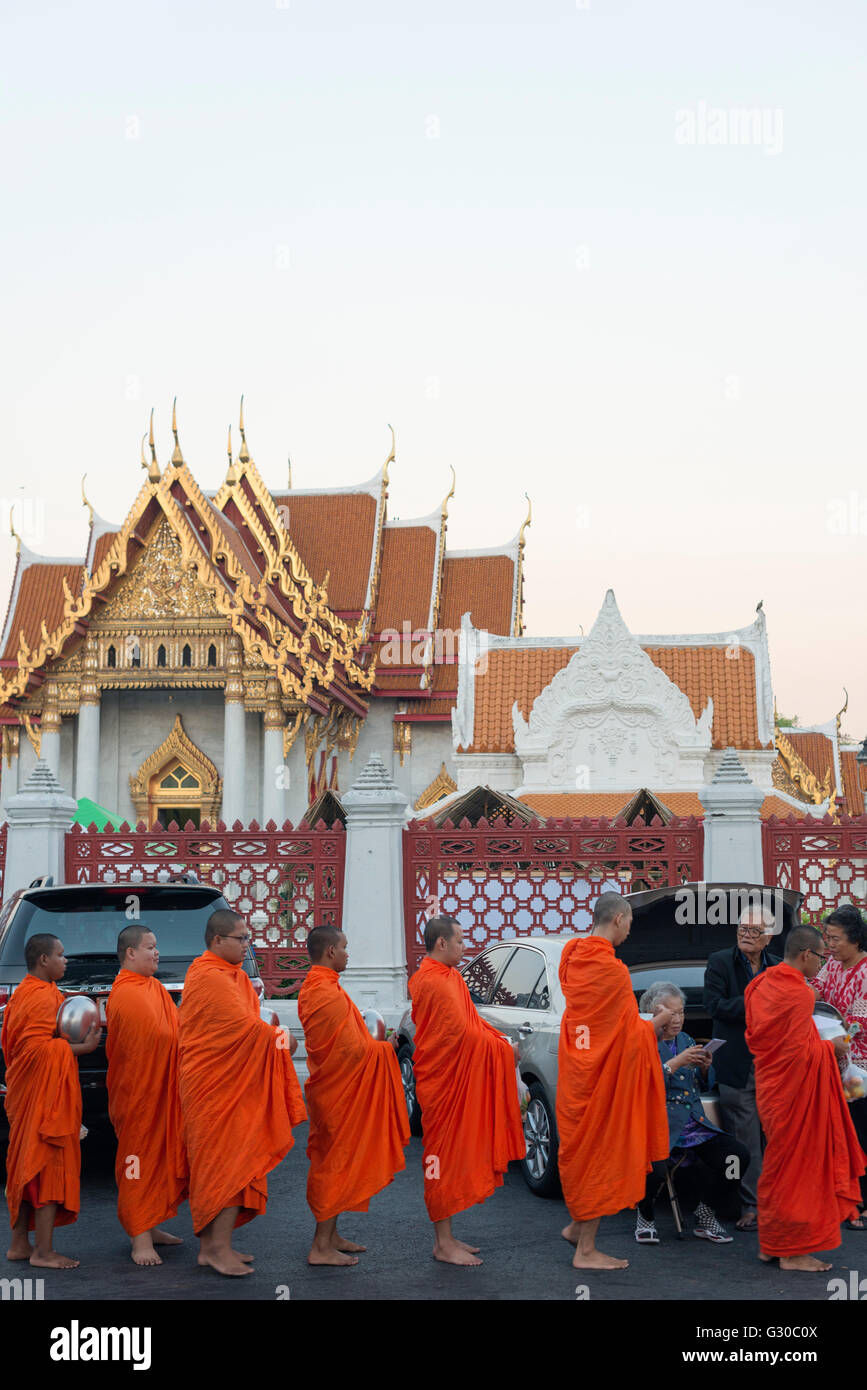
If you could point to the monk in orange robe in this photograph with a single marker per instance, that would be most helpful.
(467, 1090)
(43, 1104)
(358, 1120)
(240, 1096)
(610, 1089)
(143, 1101)
(812, 1163)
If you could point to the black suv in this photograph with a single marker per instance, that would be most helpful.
(88, 917)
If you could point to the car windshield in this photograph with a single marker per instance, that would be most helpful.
(88, 923)
(685, 976)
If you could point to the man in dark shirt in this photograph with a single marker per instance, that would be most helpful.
(727, 975)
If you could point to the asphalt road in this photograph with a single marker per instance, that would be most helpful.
(524, 1255)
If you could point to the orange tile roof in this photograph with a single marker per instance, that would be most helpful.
(481, 585)
(816, 750)
(40, 595)
(522, 673)
(335, 531)
(608, 804)
(101, 548)
(854, 781)
(406, 578)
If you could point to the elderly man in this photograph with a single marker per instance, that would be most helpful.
(726, 977)
(809, 1182)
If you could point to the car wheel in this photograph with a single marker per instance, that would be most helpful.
(539, 1166)
(404, 1058)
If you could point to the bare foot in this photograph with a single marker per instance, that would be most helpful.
(19, 1250)
(53, 1261)
(347, 1246)
(594, 1259)
(766, 1259)
(224, 1262)
(166, 1238)
(809, 1263)
(330, 1257)
(143, 1252)
(473, 1249)
(454, 1252)
(570, 1233)
(748, 1222)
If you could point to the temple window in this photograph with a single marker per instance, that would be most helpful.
(212, 655)
(111, 658)
(161, 655)
(186, 655)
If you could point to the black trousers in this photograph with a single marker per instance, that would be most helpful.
(858, 1111)
(709, 1177)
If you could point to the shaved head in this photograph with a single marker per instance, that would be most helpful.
(802, 939)
(318, 941)
(438, 927)
(130, 936)
(38, 946)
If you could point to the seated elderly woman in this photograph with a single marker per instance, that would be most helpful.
(712, 1162)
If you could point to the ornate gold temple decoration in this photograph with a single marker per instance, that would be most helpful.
(442, 785)
(234, 671)
(50, 721)
(314, 732)
(402, 738)
(244, 454)
(177, 456)
(88, 690)
(153, 468)
(291, 731)
(159, 586)
(84, 500)
(9, 745)
(518, 629)
(274, 718)
(176, 775)
(808, 786)
(34, 734)
(13, 533)
(841, 712)
(349, 729)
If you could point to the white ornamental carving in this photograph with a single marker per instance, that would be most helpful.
(613, 714)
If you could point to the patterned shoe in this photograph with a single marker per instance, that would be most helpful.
(645, 1231)
(708, 1228)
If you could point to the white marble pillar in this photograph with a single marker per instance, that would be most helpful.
(234, 738)
(49, 745)
(39, 817)
(373, 892)
(732, 825)
(87, 731)
(274, 774)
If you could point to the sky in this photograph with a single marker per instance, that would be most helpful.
(610, 255)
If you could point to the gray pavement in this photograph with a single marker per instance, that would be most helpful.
(524, 1254)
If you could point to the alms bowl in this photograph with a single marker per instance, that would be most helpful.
(375, 1024)
(75, 1017)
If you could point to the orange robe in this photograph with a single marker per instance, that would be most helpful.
(611, 1112)
(43, 1103)
(810, 1171)
(240, 1096)
(467, 1090)
(143, 1102)
(358, 1120)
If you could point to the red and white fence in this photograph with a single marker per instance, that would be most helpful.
(500, 883)
(283, 882)
(827, 862)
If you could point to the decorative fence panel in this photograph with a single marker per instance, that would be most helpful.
(542, 877)
(3, 837)
(827, 862)
(283, 882)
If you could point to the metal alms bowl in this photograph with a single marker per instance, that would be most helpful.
(75, 1017)
(375, 1024)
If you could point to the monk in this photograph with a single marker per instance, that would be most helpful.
(610, 1089)
(467, 1090)
(809, 1179)
(358, 1120)
(143, 1101)
(240, 1096)
(43, 1103)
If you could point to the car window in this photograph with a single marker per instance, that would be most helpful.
(481, 973)
(88, 920)
(517, 987)
(684, 976)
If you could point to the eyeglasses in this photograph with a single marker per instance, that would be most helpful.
(816, 953)
(752, 931)
(245, 939)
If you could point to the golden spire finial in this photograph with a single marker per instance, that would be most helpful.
(528, 521)
(843, 710)
(449, 495)
(177, 456)
(13, 533)
(231, 474)
(244, 455)
(389, 460)
(84, 498)
(153, 467)
(289, 464)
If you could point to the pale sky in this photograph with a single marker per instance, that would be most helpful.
(537, 238)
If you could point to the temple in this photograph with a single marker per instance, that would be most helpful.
(223, 655)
